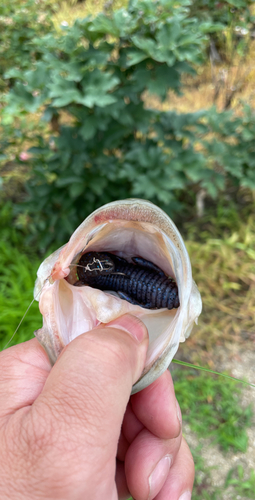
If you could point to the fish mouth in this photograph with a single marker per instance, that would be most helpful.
(128, 228)
(128, 239)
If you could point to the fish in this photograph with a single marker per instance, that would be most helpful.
(137, 233)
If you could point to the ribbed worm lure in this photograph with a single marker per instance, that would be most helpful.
(141, 282)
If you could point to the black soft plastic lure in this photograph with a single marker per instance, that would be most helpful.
(141, 283)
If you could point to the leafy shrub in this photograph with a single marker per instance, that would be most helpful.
(20, 22)
(90, 84)
(224, 11)
(234, 16)
(231, 148)
(106, 143)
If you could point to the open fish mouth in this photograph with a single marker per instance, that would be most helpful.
(123, 231)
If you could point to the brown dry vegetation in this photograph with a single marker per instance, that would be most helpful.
(224, 270)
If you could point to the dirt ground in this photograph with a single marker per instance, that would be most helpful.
(240, 362)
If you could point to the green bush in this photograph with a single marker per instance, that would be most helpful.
(230, 147)
(90, 84)
(236, 20)
(21, 21)
(227, 12)
(91, 81)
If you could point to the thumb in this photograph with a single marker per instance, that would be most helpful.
(89, 387)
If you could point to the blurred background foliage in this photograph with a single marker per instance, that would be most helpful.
(80, 98)
(104, 100)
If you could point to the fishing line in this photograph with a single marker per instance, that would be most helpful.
(86, 269)
(203, 369)
(24, 315)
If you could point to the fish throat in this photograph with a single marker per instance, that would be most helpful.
(140, 282)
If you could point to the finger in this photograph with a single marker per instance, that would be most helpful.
(157, 409)
(131, 424)
(147, 464)
(85, 396)
(105, 363)
(24, 370)
(131, 427)
(179, 483)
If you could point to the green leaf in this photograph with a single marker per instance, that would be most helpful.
(237, 3)
(104, 25)
(67, 181)
(88, 129)
(162, 79)
(135, 56)
(96, 86)
(93, 99)
(76, 189)
(68, 97)
(211, 27)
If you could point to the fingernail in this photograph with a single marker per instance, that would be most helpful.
(185, 496)
(132, 325)
(159, 475)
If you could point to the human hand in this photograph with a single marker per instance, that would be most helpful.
(61, 428)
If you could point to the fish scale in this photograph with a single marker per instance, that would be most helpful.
(143, 284)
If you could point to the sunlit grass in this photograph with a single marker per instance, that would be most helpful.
(17, 277)
(212, 409)
(70, 10)
(223, 269)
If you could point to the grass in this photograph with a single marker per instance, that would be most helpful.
(223, 269)
(17, 276)
(202, 489)
(243, 486)
(69, 11)
(199, 93)
(212, 409)
(239, 485)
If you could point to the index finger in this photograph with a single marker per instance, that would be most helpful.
(24, 370)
